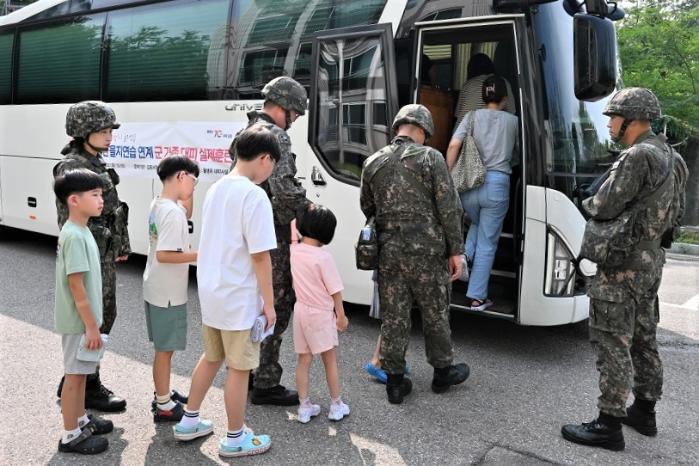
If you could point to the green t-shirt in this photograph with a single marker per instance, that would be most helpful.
(77, 253)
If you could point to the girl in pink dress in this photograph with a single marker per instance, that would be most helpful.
(318, 313)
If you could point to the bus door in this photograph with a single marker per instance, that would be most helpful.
(353, 98)
(443, 50)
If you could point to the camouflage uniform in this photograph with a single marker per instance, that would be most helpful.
(287, 197)
(110, 228)
(407, 187)
(624, 298)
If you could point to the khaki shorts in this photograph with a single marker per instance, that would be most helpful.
(233, 346)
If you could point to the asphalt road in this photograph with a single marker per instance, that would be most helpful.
(525, 383)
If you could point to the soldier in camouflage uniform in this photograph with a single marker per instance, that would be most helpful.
(407, 189)
(90, 124)
(646, 185)
(285, 100)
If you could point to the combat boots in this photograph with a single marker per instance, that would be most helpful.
(445, 377)
(397, 387)
(641, 416)
(604, 432)
(278, 395)
(99, 397)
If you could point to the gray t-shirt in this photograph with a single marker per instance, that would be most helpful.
(496, 135)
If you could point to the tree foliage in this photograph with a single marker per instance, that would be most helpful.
(659, 48)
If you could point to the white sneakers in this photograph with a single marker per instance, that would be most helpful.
(337, 412)
(307, 412)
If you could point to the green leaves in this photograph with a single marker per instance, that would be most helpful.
(659, 48)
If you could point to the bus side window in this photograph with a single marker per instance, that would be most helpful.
(60, 62)
(166, 51)
(274, 38)
(6, 67)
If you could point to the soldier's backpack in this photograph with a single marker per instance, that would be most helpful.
(680, 174)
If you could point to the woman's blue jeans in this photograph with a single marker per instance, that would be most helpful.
(486, 206)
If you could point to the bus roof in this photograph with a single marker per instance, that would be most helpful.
(28, 11)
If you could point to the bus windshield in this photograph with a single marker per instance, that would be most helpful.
(580, 139)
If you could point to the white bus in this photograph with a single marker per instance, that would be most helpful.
(182, 74)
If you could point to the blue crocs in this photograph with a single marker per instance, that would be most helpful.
(380, 374)
(252, 445)
(376, 372)
(185, 434)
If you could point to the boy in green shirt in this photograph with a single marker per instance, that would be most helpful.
(78, 308)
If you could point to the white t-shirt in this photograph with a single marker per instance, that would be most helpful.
(168, 230)
(236, 222)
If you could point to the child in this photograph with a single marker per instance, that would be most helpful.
(318, 291)
(78, 307)
(234, 273)
(166, 278)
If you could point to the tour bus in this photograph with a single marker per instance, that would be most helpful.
(182, 75)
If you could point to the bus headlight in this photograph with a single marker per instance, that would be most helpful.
(560, 271)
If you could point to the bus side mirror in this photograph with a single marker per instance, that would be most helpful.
(594, 42)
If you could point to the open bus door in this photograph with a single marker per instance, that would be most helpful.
(353, 98)
(447, 46)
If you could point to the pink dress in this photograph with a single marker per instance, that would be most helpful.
(315, 279)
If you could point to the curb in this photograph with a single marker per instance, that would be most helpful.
(685, 248)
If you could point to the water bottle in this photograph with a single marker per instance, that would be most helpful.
(366, 233)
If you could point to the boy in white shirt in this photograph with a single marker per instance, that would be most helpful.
(234, 273)
(166, 279)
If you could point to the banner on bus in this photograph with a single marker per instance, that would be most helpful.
(137, 148)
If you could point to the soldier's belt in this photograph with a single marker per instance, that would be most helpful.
(405, 223)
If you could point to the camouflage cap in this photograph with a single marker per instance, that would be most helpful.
(89, 116)
(415, 114)
(634, 103)
(287, 93)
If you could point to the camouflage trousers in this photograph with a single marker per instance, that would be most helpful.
(424, 282)
(623, 333)
(109, 308)
(269, 372)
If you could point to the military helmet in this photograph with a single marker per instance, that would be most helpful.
(415, 114)
(634, 103)
(89, 116)
(287, 93)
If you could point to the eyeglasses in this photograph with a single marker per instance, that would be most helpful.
(195, 180)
